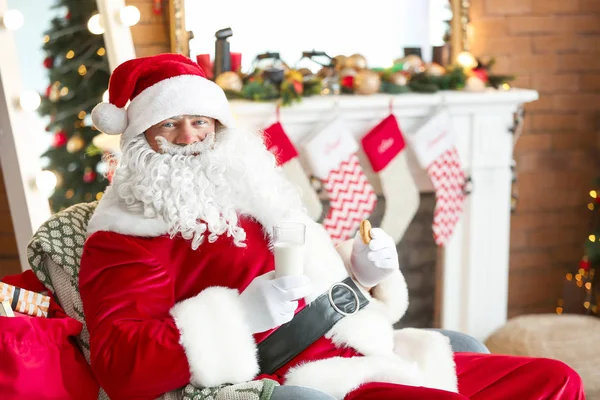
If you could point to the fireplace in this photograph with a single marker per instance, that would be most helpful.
(464, 286)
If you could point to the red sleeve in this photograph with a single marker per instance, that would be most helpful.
(134, 342)
(142, 344)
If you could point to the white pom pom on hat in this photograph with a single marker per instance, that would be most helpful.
(109, 118)
(156, 88)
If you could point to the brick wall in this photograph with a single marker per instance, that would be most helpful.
(9, 256)
(151, 34)
(553, 46)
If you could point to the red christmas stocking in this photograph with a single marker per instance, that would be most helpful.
(331, 154)
(385, 147)
(434, 145)
(278, 143)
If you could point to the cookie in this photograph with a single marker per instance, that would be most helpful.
(365, 231)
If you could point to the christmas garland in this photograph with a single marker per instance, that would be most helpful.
(350, 75)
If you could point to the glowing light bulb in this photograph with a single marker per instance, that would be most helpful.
(105, 97)
(46, 182)
(94, 25)
(466, 60)
(29, 100)
(130, 15)
(593, 194)
(12, 19)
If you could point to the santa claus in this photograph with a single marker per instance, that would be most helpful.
(177, 274)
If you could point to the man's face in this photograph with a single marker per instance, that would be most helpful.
(181, 130)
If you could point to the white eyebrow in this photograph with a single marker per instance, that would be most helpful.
(178, 117)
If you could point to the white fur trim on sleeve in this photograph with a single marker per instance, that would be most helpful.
(218, 344)
(393, 293)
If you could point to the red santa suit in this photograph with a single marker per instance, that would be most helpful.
(151, 300)
(161, 315)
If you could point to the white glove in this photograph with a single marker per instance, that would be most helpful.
(372, 263)
(270, 302)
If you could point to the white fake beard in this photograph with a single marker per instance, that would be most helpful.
(199, 190)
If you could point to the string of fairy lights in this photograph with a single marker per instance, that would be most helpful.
(584, 279)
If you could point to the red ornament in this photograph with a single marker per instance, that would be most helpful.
(89, 176)
(68, 16)
(584, 264)
(60, 139)
(348, 81)
(49, 63)
(48, 91)
(298, 87)
(482, 74)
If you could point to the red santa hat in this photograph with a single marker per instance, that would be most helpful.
(158, 87)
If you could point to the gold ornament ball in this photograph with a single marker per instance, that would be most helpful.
(474, 84)
(413, 64)
(340, 62)
(326, 72)
(399, 79)
(347, 72)
(366, 82)
(75, 144)
(229, 80)
(356, 61)
(435, 69)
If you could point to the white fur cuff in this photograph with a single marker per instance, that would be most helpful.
(218, 344)
(393, 293)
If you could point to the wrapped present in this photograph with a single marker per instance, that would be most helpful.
(6, 309)
(24, 301)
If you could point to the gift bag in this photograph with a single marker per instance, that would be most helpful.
(38, 356)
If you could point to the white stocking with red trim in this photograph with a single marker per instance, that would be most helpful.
(331, 155)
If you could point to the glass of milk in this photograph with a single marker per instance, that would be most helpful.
(288, 247)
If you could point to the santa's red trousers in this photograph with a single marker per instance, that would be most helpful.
(490, 377)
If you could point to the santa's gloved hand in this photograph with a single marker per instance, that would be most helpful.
(371, 263)
(270, 302)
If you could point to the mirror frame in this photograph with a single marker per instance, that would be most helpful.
(180, 37)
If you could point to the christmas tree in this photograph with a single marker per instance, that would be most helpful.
(78, 75)
(582, 289)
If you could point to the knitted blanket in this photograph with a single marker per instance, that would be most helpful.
(54, 254)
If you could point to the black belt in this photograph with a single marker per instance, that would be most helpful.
(312, 322)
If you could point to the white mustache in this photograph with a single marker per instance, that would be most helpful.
(191, 149)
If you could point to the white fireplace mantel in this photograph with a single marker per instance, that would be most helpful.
(474, 293)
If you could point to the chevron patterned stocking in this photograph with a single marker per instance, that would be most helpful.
(448, 181)
(351, 197)
(332, 156)
(434, 145)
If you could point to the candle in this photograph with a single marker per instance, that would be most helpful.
(204, 61)
(236, 61)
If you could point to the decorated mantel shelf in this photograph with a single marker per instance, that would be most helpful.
(474, 263)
